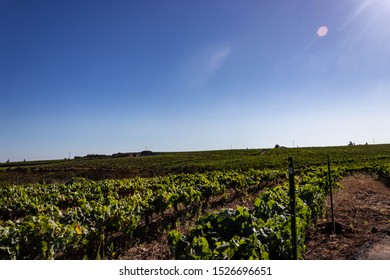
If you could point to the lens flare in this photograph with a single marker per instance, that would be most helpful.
(322, 31)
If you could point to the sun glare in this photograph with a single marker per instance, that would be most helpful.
(322, 31)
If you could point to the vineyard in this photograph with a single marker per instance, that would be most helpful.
(186, 203)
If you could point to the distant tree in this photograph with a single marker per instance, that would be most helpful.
(351, 143)
(7, 161)
(277, 146)
(147, 153)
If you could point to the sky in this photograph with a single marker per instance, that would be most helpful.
(101, 77)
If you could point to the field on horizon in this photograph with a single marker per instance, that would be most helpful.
(166, 163)
(228, 204)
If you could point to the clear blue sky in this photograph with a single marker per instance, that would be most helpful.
(103, 77)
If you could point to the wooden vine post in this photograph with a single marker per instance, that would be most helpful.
(293, 209)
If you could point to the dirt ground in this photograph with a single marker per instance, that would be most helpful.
(362, 217)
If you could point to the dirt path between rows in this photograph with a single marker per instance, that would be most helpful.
(362, 215)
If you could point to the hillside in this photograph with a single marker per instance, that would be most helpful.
(162, 164)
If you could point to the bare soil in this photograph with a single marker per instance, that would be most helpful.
(362, 217)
